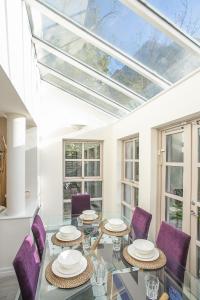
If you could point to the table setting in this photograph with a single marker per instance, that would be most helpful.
(67, 235)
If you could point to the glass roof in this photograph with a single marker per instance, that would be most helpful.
(107, 48)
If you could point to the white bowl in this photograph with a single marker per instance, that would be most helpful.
(68, 231)
(69, 259)
(115, 223)
(143, 247)
(88, 214)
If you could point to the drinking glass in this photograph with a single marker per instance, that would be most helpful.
(152, 286)
(116, 243)
(100, 272)
(79, 221)
(86, 242)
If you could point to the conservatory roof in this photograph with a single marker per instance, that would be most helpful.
(115, 55)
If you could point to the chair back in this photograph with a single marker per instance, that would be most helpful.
(27, 267)
(140, 223)
(175, 244)
(80, 202)
(39, 234)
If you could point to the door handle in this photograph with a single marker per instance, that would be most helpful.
(193, 213)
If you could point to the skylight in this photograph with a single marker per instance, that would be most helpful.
(112, 51)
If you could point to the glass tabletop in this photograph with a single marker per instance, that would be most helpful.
(119, 280)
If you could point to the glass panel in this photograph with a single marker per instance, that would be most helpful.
(174, 147)
(90, 55)
(73, 169)
(136, 196)
(94, 188)
(174, 212)
(137, 149)
(127, 193)
(73, 151)
(136, 177)
(198, 224)
(199, 145)
(83, 95)
(142, 41)
(127, 213)
(174, 180)
(92, 168)
(129, 170)
(71, 188)
(96, 205)
(198, 188)
(92, 151)
(129, 150)
(184, 13)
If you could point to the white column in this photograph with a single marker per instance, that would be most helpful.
(16, 133)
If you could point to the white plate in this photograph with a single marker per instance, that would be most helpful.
(58, 272)
(108, 227)
(131, 252)
(95, 216)
(76, 236)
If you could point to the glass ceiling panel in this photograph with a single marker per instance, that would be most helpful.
(121, 27)
(88, 54)
(183, 13)
(82, 95)
(81, 77)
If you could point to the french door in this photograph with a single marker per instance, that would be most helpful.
(180, 184)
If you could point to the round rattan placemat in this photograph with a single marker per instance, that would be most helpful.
(115, 233)
(68, 283)
(147, 265)
(88, 222)
(60, 243)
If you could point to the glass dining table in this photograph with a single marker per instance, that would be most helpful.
(120, 280)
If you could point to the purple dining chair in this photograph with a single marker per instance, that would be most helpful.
(27, 267)
(140, 224)
(175, 245)
(39, 234)
(80, 202)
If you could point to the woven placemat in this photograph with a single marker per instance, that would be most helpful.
(88, 222)
(68, 283)
(147, 265)
(115, 233)
(60, 243)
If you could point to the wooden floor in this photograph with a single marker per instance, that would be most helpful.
(8, 288)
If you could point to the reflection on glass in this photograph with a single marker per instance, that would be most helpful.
(127, 193)
(127, 213)
(92, 168)
(137, 149)
(198, 224)
(93, 188)
(174, 180)
(199, 145)
(71, 188)
(136, 177)
(145, 43)
(91, 151)
(73, 169)
(129, 150)
(136, 196)
(83, 95)
(174, 212)
(96, 205)
(174, 147)
(129, 170)
(198, 188)
(73, 151)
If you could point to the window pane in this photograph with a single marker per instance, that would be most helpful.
(127, 193)
(127, 213)
(71, 188)
(198, 262)
(92, 151)
(129, 150)
(96, 205)
(136, 177)
(198, 224)
(94, 188)
(129, 170)
(142, 41)
(174, 180)
(136, 196)
(83, 95)
(199, 145)
(73, 151)
(92, 168)
(73, 169)
(174, 150)
(137, 149)
(198, 188)
(174, 212)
